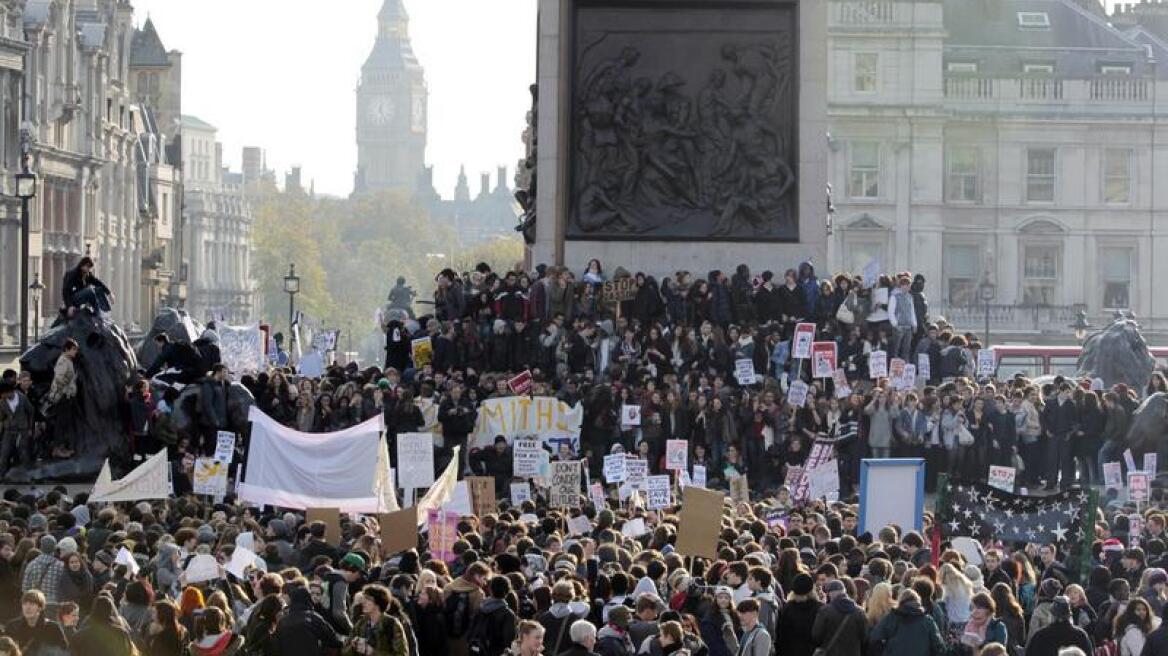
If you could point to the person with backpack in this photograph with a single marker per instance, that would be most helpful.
(301, 630)
(461, 601)
(560, 616)
(493, 629)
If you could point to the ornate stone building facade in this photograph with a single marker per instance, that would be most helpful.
(1016, 143)
(106, 186)
(217, 231)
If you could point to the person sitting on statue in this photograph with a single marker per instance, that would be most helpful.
(81, 289)
(177, 362)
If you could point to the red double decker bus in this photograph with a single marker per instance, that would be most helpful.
(1035, 361)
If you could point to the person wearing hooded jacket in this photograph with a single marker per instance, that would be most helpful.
(302, 631)
(907, 630)
(841, 615)
(559, 617)
(1060, 633)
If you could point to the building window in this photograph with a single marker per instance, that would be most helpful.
(1114, 69)
(1033, 20)
(164, 211)
(864, 179)
(963, 174)
(1040, 274)
(962, 268)
(1116, 264)
(866, 72)
(1117, 163)
(961, 67)
(1040, 175)
(1038, 69)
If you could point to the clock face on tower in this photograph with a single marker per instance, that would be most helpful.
(380, 110)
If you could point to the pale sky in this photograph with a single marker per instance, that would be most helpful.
(282, 75)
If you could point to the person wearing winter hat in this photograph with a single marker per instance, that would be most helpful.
(1060, 633)
(45, 571)
(613, 638)
(1042, 616)
(797, 617)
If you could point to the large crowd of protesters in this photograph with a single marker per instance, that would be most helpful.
(521, 584)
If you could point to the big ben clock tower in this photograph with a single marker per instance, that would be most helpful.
(391, 109)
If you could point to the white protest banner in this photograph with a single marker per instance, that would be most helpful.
(201, 568)
(676, 454)
(660, 495)
(579, 525)
(823, 481)
(801, 344)
(871, 274)
(241, 348)
(149, 480)
(1150, 463)
(1130, 460)
(525, 458)
(415, 460)
(1002, 478)
(824, 359)
(241, 559)
(345, 469)
(634, 528)
(528, 518)
(520, 492)
(614, 468)
(630, 415)
(636, 471)
(699, 476)
(797, 394)
(1112, 475)
(840, 380)
(225, 446)
(565, 487)
(744, 371)
(545, 418)
(1137, 486)
(210, 477)
(878, 364)
(987, 364)
(924, 366)
(596, 494)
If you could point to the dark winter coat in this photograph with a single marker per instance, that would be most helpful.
(908, 631)
(853, 641)
(794, 627)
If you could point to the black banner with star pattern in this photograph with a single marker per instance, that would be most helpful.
(982, 512)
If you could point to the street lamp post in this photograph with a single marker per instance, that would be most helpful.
(25, 191)
(986, 291)
(292, 288)
(36, 288)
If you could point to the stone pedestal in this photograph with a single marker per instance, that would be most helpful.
(680, 47)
